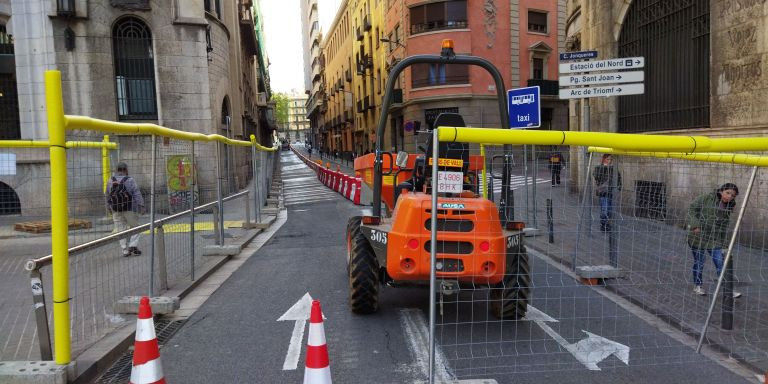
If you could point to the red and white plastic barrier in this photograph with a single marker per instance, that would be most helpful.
(348, 186)
(146, 353)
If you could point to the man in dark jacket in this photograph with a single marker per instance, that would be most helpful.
(707, 223)
(124, 204)
(604, 187)
(555, 165)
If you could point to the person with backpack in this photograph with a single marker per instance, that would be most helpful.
(125, 202)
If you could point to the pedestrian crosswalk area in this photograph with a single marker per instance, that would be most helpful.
(516, 182)
(300, 184)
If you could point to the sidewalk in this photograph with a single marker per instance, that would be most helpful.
(657, 262)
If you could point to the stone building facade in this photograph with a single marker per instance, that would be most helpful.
(190, 65)
(706, 73)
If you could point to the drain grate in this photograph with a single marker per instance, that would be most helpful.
(120, 371)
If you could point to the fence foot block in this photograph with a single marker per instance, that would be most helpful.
(599, 272)
(33, 372)
(161, 305)
(221, 250)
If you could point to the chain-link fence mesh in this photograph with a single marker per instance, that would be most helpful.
(588, 232)
(101, 273)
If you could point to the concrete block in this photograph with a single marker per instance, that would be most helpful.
(269, 211)
(32, 372)
(600, 272)
(221, 250)
(161, 305)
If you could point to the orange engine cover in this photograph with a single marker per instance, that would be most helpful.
(470, 240)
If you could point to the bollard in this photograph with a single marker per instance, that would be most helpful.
(550, 223)
(162, 270)
(727, 310)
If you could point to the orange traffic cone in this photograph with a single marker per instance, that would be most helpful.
(318, 369)
(146, 354)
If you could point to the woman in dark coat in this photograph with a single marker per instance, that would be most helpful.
(708, 218)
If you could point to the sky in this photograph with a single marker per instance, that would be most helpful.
(282, 28)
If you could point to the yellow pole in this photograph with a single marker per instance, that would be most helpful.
(105, 163)
(485, 173)
(59, 219)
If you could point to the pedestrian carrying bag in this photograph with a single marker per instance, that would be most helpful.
(119, 198)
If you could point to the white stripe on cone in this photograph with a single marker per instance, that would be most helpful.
(147, 373)
(317, 375)
(145, 330)
(316, 335)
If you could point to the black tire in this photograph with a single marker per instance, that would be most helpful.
(353, 223)
(363, 274)
(509, 299)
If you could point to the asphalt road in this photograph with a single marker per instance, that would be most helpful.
(235, 336)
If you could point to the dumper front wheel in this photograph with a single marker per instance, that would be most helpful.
(510, 297)
(363, 273)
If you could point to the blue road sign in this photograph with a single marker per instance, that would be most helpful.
(524, 107)
(578, 55)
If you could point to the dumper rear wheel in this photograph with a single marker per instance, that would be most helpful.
(363, 273)
(509, 298)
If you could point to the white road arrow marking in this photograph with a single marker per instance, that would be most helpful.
(299, 313)
(417, 332)
(589, 351)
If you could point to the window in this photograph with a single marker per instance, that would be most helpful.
(10, 129)
(674, 38)
(430, 75)
(213, 6)
(537, 22)
(436, 16)
(134, 70)
(538, 68)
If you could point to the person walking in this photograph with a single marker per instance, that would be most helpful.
(707, 223)
(605, 184)
(555, 165)
(124, 200)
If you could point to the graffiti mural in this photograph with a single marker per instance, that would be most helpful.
(181, 181)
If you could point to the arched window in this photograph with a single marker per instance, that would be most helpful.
(134, 70)
(673, 36)
(225, 115)
(9, 201)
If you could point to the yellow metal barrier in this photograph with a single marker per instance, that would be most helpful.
(45, 144)
(58, 124)
(622, 141)
(59, 217)
(729, 158)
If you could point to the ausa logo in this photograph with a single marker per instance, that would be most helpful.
(452, 206)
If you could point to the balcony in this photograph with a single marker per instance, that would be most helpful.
(548, 87)
(261, 99)
(247, 29)
(359, 34)
(367, 22)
